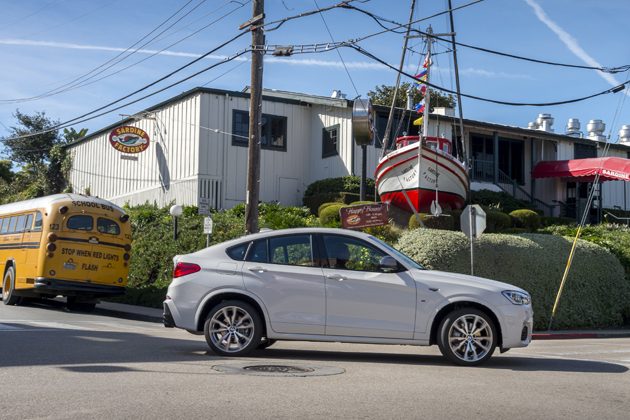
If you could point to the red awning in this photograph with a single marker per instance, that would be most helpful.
(584, 170)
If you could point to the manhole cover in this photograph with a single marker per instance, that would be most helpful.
(278, 369)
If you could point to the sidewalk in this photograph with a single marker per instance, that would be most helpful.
(141, 313)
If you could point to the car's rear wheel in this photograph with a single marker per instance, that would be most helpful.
(8, 288)
(233, 328)
(467, 337)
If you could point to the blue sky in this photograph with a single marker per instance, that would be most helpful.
(47, 43)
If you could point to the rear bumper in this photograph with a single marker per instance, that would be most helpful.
(167, 317)
(73, 288)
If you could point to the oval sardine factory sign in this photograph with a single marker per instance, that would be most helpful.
(127, 139)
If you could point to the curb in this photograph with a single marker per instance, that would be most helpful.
(572, 336)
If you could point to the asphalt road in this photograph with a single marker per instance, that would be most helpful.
(60, 365)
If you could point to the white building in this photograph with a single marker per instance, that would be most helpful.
(198, 149)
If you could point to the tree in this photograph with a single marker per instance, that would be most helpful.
(383, 96)
(34, 149)
(5, 171)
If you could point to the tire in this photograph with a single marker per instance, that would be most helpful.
(8, 288)
(264, 343)
(467, 337)
(233, 328)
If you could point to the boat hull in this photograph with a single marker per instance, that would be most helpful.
(402, 169)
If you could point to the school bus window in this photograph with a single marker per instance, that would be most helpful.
(80, 223)
(29, 222)
(12, 224)
(107, 226)
(38, 221)
(5, 225)
(20, 223)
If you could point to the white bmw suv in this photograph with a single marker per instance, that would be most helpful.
(320, 284)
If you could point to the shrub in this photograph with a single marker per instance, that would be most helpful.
(444, 222)
(527, 219)
(314, 202)
(386, 233)
(498, 199)
(456, 215)
(615, 238)
(323, 206)
(349, 183)
(497, 222)
(555, 221)
(514, 230)
(357, 203)
(595, 294)
(330, 215)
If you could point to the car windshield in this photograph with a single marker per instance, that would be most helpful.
(399, 254)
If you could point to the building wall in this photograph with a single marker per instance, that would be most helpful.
(163, 173)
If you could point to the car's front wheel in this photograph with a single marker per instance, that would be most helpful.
(233, 328)
(467, 337)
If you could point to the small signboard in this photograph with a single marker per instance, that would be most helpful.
(204, 206)
(128, 139)
(207, 225)
(368, 215)
(473, 221)
(128, 157)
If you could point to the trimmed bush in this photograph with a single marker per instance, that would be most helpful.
(330, 214)
(357, 203)
(313, 203)
(596, 295)
(498, 199)
(512, 230)
(497, 222)
(323, 206)
(555, 221)
(431, 222)
(527, 219)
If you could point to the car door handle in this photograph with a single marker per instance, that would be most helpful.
(336, 277)
(259, 269)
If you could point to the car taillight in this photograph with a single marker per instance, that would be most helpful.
(183, 269)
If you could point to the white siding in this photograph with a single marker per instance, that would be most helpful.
(164, 172)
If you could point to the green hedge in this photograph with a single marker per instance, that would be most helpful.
(556, 221)
(596, 295)
(456, 215)
(349, 183)
(526, 219)
(497, 222)
(445, 222)
(330, 215)
(313, 203)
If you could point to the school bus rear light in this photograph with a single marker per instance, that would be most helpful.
(50, 255)
(63, 209)
(51, 247)
(127, 247)
(52, 237)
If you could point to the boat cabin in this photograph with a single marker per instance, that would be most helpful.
(432, 142)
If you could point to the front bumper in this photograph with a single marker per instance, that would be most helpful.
(518, 326)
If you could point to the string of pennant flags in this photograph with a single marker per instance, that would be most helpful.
(418, 83)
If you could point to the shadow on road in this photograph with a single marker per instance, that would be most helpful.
(524, 364)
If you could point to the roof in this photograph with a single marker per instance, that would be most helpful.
(51, 199)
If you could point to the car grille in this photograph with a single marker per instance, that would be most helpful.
(524, 333)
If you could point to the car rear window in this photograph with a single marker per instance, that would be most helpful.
(80, 223)
(107, 226)
(258, 251)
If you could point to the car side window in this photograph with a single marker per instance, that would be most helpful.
(351, 254)
(38, 221)
(258, 251)
(238, 252)
(292, 250)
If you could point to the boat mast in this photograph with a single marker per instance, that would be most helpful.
(402, 63)
(459, 96)
(427, 92)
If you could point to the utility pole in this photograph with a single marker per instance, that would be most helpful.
(255, 117)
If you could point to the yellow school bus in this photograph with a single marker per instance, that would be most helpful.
(68, 245)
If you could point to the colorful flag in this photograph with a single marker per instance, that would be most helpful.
(419, 107)
(418, 121)
(427, 61)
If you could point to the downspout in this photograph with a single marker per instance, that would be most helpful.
(533, 181)
(226, 142)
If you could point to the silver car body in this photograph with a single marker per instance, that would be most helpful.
(319, 303)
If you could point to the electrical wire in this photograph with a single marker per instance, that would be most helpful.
(611, 90)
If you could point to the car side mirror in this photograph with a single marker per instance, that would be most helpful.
(388, 264)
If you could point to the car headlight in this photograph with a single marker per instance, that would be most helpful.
(517, 298)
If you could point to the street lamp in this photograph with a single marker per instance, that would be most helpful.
(176, 211)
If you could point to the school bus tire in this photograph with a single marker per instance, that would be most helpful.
(8, 288)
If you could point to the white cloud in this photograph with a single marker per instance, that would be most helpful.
(570, 42)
